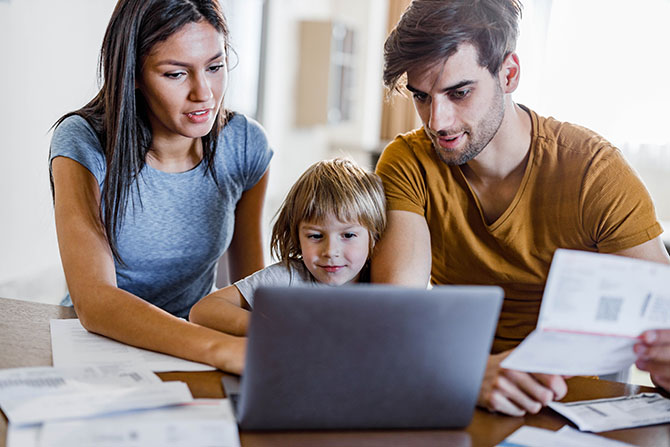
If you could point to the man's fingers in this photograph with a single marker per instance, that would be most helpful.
(498, 402)
(656, 337)
(555, 383)
(512, 391)
(533, 388)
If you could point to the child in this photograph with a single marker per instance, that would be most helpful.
(324, 234)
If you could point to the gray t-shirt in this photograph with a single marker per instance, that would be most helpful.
(276, 275)
(176, 230)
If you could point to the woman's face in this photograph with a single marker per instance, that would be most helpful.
(183, 80)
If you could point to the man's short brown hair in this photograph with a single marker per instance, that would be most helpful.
(430, 31)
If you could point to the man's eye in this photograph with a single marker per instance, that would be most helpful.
(460, 94)
(420, 97)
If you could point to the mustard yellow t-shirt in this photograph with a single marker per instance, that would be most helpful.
(577, 192)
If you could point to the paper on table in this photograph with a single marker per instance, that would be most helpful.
(528, 436)
(616, 413)
(593, 308)
(203, 422)
(33, 395)
(73, 345)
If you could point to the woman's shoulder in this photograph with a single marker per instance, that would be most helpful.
(75, 138)
(242, 128)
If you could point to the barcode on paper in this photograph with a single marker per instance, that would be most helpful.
(608, 308)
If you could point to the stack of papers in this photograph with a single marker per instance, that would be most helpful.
(567, 436)
(593, 309)
(203, 422)
(72, 345)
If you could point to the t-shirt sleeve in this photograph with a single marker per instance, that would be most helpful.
(74, 138)
(402, 177)
(257, 153)
(275, 275)
(616, 207)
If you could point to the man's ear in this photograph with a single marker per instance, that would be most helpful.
(509, 73)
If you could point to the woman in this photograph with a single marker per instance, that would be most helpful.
(153, 180)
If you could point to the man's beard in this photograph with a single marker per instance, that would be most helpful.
(477, 138)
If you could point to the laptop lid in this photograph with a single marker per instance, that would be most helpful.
(366, 356)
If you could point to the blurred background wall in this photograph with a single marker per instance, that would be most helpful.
(310, 72)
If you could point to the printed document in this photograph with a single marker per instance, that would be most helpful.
(593, 309)
(72, 345)
(528, 436)
(39, 394)
(616, 413)
(203, 422)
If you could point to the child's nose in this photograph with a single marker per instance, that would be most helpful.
(331, 248)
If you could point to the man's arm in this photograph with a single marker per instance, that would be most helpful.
(403, 255)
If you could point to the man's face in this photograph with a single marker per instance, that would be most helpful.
(460, 104)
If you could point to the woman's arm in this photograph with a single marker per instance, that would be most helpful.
(245, 254)
(101, 306)
(223, 310)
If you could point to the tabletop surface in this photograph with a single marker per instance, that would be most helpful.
(26, 341)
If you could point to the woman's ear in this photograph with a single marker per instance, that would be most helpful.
(509, 73)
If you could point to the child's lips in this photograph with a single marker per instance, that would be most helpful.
(332, 268)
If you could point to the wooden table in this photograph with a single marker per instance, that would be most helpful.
(25, 341)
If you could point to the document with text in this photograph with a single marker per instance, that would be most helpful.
(616, 413)
(39, 394)
(528, 436)
(72, 345)
(203, 422)
(593, 309)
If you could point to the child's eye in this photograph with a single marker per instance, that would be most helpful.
(349, 235)
(314, 236)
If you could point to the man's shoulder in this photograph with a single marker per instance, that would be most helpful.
(569, 138)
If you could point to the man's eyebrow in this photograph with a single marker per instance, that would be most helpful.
(184, 64)
(446, 89)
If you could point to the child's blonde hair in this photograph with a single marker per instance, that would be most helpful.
(338, 188)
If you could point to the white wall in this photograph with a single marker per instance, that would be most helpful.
(49, 54)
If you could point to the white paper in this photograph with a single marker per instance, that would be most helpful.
(593, 309)
(528, 436)
(616, 413)
(72, 345)
(204, 422)
(33, 395)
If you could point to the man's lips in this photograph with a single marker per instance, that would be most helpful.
(450, 141)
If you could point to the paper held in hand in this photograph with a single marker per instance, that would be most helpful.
(593, 309)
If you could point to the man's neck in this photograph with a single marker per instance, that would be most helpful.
(506, 154)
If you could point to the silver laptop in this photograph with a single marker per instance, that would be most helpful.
(364, 356)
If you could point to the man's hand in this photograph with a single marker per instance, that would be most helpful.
(653, 355)
(516, 393)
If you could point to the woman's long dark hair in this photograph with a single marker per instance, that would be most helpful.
(118, 113)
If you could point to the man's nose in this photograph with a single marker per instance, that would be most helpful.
(441, 115)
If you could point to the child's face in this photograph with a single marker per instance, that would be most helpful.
(334, 252)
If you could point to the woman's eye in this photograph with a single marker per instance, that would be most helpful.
(175, 75)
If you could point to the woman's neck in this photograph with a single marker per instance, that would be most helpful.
(175, 157)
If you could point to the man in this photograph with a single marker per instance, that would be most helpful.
(487, 190)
